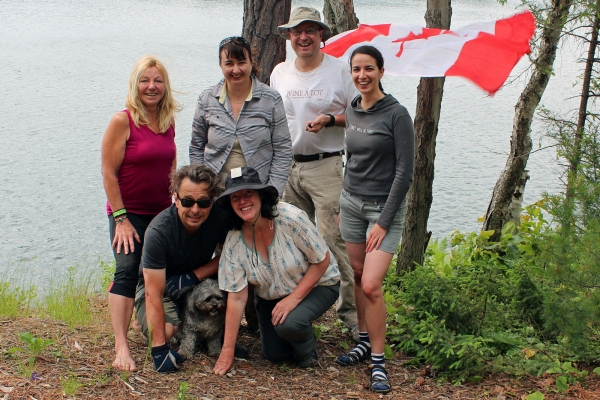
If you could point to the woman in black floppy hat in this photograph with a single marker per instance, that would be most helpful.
(275, 247)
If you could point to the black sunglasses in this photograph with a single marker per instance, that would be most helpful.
(189, 203)
(230, 39)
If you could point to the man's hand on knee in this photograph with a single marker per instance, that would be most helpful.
(165, 359)
(178, 285)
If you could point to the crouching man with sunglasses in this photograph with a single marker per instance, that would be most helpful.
(177, 255)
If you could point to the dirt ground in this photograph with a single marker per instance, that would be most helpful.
(83, 356)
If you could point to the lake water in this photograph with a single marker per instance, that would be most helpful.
(65, 67)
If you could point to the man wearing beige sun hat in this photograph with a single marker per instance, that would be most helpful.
(316, 90)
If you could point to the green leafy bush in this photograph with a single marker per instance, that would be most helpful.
(518, 305)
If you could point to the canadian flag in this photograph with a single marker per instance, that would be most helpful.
(483, 52)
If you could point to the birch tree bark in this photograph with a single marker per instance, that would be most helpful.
(499, 209)
(339, 15)
(261, 19)
(429, 103)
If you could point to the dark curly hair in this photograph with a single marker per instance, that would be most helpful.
(197, 174)
(268, 209)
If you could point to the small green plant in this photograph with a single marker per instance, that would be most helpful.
(568, 374)
(124, 375)
(344, 345)
(182, 394)
(108, 273)
(284, 367)
(317, 331)
(388, 352)
(69, 300)
(34, 347)
(535, 396)
(352, 379)
(103, 379)
(70, 385)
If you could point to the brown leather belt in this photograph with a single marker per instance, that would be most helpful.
(315, 157)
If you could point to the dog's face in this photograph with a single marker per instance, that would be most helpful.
(208, 298)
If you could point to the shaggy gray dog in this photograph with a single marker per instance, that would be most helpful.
(203, 319)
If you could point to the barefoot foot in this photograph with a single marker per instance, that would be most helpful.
(124, 362)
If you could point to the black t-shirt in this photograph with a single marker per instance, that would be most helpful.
(168, 245)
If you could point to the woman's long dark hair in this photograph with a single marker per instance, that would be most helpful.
(268, 209)
(370, 51)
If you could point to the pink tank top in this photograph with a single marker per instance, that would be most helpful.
(144, 174)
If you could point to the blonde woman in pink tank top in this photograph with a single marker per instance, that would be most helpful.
(138, 155)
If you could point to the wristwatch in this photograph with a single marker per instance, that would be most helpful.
(120, 219)
(331, 121)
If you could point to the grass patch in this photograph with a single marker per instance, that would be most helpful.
(16, 296)
(70, 385)
(15, 300)
(68, 299)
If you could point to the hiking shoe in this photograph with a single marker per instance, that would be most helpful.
(241, 352)
(311, 361)
(379, 380)
(357, 355)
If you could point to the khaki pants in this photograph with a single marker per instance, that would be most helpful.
(315, 188)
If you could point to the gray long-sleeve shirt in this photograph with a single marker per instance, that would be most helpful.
(261, 128)
(380, 145)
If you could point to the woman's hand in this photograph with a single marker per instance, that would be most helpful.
(283, 309)
(375, 237)
(225, 362)
(124, 235)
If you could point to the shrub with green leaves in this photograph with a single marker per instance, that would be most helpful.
(520, 305)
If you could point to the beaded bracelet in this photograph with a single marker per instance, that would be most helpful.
(122, 211)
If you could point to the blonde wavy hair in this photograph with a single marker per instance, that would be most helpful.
(167, 107)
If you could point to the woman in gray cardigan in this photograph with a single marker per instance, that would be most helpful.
(379, 171)
(241, 122)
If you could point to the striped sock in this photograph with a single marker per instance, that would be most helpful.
(358, 353)
(363, 345)
(364, 337)
(378, 359)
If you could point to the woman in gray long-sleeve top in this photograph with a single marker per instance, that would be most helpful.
(379, 171)
(241, 121)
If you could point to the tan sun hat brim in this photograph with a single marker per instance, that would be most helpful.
(300, 15)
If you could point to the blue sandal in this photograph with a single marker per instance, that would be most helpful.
(358, 354)
(379, 380)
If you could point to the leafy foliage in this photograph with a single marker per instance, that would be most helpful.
(526, 304)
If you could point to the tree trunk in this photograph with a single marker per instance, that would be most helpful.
(499, 211)
(339, 15)
(261, 18)
(427, 116)
(585, 95)
(517, 200)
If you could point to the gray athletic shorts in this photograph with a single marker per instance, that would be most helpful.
(357, 218)
(171, 309)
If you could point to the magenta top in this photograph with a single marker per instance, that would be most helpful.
(144, 174)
